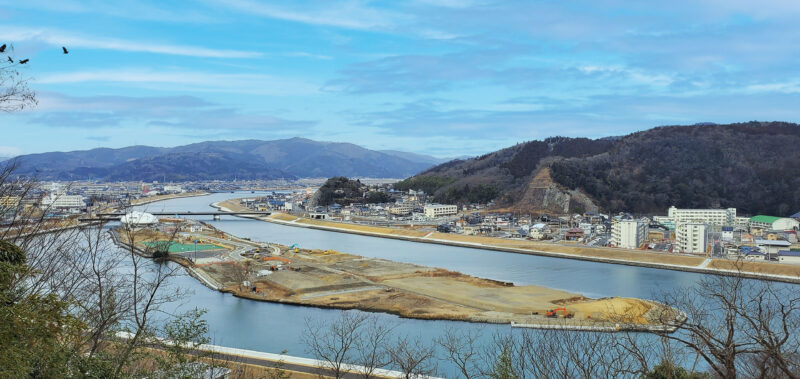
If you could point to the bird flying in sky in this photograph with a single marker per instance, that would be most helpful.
(24, 61)
(65, 50)
(3, 48)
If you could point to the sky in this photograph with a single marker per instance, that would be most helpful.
(440, 77)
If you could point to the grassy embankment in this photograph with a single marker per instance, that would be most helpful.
(152, 199)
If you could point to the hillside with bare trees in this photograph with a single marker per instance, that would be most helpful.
(752, 166)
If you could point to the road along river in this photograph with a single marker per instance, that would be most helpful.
(273, 327)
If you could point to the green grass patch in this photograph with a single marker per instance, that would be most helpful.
(175, 247)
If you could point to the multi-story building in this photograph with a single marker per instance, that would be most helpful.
(401, 209)
(691, 237)
(718, 217)
(7, 202)
(628, 234)
(173, 188)
(439, 210)
(63, 201)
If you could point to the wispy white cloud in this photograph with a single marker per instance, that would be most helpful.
(133, 10)
(348, 14)
(302, 54)
(189, 80)
(63, 38)
(172, 112)
(791, 86)
(9, 151)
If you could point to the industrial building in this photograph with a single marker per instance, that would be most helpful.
(773, 223)
(138, 219)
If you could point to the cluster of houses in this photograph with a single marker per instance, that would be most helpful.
(688, 231)
(712, 231)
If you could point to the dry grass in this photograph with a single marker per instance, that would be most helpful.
(364, 228)
(757, 267)
(155, 198)
(622, 254)
(280, 216)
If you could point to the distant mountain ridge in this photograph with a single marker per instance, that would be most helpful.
(222, 160)
(753, 166)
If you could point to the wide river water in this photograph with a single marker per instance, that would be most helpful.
(272, 327)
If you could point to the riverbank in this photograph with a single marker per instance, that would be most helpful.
(756, 270)
(332, 279)
(153, 199)
(329, 279)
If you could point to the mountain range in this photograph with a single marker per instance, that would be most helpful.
(224, 160)
(753, 166)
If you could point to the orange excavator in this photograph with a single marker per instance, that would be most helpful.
(553, 313)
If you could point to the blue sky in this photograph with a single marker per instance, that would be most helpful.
(441, 77)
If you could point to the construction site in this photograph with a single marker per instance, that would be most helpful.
(332, 279)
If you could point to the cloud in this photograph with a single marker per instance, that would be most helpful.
(188, 80)
(346, 14)
(99, 138)
(9, 151)
(135, 10)
(76, 41)
(417, 73)
(173, 112)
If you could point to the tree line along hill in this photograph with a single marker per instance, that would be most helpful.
(753, 166)
(343, 191)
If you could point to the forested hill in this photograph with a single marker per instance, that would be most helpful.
(752, 166)
(343, 191)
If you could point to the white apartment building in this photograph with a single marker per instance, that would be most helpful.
(439, 210)
(628, 234)
(173, 188)
(717, 217)
(63, 201)
(691, 237)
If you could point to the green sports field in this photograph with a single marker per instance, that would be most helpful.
(175, 247)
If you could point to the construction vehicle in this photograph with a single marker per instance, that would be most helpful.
(553, 313)
(294, 248)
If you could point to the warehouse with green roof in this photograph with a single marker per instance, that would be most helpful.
(773, 223)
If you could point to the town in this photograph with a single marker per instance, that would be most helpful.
(717, 233)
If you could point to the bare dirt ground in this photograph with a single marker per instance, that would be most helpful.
(328, 278)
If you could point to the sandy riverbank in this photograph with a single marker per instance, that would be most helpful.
(757, 270)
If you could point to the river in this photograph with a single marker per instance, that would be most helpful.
(272, 327)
